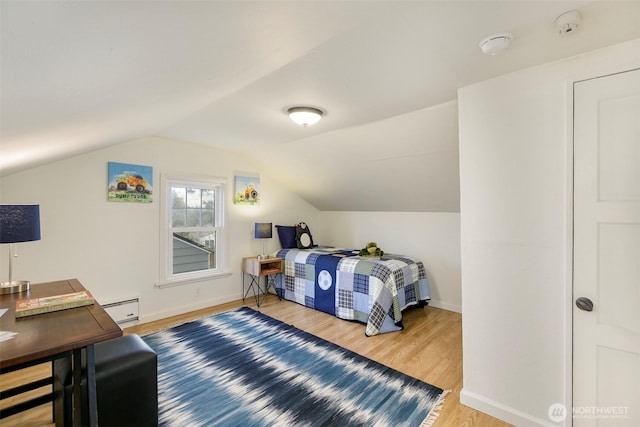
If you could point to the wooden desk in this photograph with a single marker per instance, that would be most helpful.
(61, 334)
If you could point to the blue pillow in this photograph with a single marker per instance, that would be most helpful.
(287, 235)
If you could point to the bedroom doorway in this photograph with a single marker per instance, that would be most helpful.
(606, 266)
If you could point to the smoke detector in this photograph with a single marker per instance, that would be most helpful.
(495, 44)
(568, 22)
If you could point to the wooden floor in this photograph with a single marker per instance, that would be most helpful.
(429, 348)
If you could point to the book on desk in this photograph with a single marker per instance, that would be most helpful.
(33, 306)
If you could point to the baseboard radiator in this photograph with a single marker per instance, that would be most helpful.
(123, 311)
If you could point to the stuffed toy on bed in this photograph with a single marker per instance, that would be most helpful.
(371, 250)
(304, 240)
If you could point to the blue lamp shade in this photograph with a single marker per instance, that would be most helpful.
(19, 223)
(263, 230)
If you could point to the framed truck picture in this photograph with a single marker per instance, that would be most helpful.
(129, 183)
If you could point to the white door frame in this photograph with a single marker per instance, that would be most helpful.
(568, 315)
(568, 294)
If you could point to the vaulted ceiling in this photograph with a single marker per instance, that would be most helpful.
(77, 76)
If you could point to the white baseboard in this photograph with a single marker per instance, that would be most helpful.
(161, 314)
(150, 317)
(445, 306)
(500, 411)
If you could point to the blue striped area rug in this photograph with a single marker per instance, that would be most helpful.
(243, 368)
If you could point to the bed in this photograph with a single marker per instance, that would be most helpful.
(371, 291)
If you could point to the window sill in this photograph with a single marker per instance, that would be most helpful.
(192, 279)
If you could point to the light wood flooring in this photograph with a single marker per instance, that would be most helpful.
(429, 348)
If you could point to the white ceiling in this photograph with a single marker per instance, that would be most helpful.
(77, 76)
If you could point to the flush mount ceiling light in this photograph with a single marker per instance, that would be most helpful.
(495, 44)
(305, 116)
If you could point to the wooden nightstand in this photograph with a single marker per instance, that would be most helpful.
(257, 268)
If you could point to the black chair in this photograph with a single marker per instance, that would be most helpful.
(126, 384)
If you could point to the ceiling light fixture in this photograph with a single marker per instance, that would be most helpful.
(305, 116)
(495, 44)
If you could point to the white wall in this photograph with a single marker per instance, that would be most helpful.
(433, 238)
(515, 168)
(411, 159)
(113, 248)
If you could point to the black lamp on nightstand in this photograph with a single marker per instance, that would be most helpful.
(263, 230)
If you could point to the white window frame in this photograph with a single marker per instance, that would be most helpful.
(219, 184)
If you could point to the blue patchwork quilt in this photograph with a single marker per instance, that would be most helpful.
(338, 282)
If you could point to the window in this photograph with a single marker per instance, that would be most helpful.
(193, 229)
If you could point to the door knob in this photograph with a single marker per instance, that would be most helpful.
(584, 304)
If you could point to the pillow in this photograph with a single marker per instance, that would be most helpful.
(303, 236)
(287, 235)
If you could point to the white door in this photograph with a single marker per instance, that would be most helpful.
(606, 340)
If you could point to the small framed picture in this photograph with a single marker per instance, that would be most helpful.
(129, 183)
(247, 190)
